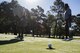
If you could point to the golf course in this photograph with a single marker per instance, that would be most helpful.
(37, 45)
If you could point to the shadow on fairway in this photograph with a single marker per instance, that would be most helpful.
(66, 40)
(3, 42)
(50, 49)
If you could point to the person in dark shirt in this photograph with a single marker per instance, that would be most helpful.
(67, 20)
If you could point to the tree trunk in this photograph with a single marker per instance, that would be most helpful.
(49, 32)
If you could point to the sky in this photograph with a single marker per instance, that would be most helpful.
(45, 4)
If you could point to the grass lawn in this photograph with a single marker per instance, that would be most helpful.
(39, 45)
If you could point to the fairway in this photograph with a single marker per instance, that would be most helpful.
(38, 45)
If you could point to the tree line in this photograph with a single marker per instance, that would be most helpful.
(18, 20)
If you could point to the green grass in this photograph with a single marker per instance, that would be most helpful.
(39, 45)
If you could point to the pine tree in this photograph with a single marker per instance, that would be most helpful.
(58, 9)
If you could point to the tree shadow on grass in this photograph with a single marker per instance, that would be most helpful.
(4, 42)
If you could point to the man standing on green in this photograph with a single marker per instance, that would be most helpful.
(67, 20)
